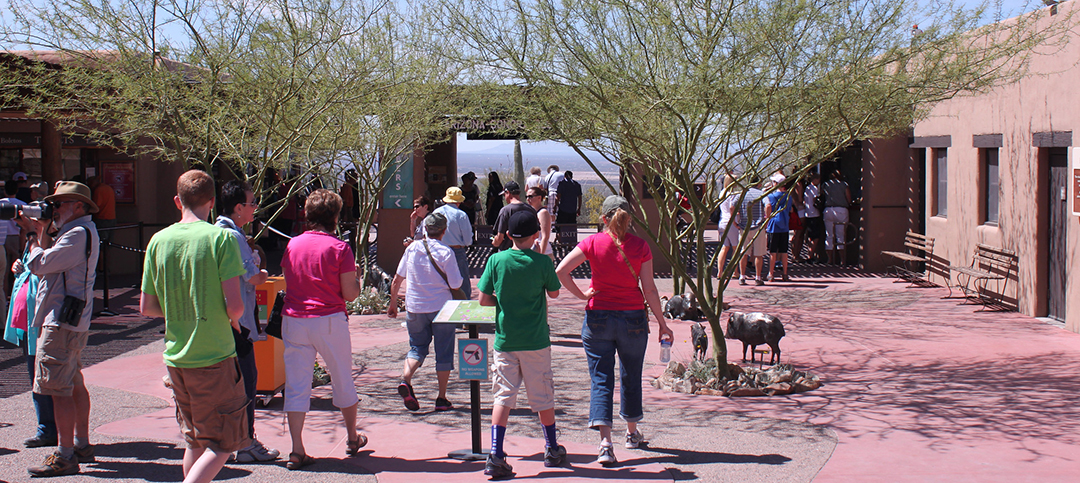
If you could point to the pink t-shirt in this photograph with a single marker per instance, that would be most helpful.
(313, 263)
(616, 287)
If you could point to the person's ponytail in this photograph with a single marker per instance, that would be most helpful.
(619, 224)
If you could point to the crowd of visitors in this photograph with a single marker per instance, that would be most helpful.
(210, 312)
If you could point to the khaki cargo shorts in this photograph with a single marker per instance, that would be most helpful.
(533, 368)
(58, 366)
(211, 406)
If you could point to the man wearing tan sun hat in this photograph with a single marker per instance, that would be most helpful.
(64, 260)
(459, 233)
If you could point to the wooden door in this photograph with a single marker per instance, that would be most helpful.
(1059, 217)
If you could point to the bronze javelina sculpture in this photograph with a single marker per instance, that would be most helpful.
(754, 329)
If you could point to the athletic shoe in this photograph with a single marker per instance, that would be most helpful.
(555, 456)
(40, 441)
(256, 453)
(759, 282)
(85, 454)
(633, 440)
(55, 465)
(408, 396)
(742, 280)
(443, 404)
(497, 468)
(607, 455)
(786, 279)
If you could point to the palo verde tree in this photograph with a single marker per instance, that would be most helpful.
(298, 88)
(678, 93)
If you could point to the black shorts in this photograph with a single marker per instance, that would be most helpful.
(778, 242)
(815, 227)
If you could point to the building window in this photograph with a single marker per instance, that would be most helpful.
(990, 185)
(941, 182)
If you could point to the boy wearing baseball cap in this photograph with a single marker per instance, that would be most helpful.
(514, 282)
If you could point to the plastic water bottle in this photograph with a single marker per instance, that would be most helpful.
(665, 350)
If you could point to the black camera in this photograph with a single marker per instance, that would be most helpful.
(38, 210)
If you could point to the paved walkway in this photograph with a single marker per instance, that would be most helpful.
(917, 388)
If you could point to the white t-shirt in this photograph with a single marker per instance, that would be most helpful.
(532, 180)
(9, 227)
(726, 208)
(425, 290)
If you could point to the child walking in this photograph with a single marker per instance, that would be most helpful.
(514, 282)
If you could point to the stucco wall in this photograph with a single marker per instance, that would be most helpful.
(1045, 100)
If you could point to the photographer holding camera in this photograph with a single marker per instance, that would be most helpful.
(64, 259)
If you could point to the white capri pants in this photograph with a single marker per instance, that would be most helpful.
(835, 215)
(329, 336)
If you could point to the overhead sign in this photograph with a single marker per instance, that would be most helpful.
(398, 190)
(472, 359)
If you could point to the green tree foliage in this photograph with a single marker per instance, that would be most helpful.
(686, 92)
(301, 88)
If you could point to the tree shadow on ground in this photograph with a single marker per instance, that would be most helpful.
(153, 461)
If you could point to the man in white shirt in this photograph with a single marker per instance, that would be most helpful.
(425, 294)
(551, 184)
(534, 178)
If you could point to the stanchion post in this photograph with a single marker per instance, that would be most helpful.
(103, 250)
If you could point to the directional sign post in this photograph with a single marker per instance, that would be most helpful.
(398, 193)
(472, 361)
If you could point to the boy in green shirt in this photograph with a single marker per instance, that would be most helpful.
(192, 278)
(514, 282)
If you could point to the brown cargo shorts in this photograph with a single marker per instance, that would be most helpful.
(58, 365)
(211, 406)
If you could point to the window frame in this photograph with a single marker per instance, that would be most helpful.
(940, 175)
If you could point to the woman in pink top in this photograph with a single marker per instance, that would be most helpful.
(615, 320)
(320, 275)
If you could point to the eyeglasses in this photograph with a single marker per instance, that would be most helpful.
(534, 196)
(252, 204)
(416, 206)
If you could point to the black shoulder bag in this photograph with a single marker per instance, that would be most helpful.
(273, 322)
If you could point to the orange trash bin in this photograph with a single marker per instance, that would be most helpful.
(268, 353)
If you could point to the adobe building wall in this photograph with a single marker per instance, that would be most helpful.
(1023, 113)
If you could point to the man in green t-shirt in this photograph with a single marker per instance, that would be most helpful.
(514, 282)
(192, 278)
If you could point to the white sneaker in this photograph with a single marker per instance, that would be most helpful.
(607, 455)
(633, 440)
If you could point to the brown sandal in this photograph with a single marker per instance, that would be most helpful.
(298, 460)
(354, 445)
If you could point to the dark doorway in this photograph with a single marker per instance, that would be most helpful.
(1059, 216)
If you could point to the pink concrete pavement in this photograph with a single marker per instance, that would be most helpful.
(399, 451)
(918, 388)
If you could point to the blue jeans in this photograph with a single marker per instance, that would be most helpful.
(422, 330)
(43, 405)
(250, 371)
(604, 334)
(463, 267)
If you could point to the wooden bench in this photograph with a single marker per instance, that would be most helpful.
(988, 264)
(920, 251)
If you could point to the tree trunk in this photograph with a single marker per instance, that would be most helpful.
(719, 343)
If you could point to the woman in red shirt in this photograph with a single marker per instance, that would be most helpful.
(616, 323)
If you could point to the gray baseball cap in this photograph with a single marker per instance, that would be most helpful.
(435, 223)
(612, 202)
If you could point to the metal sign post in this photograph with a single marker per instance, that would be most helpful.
(472, 362)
